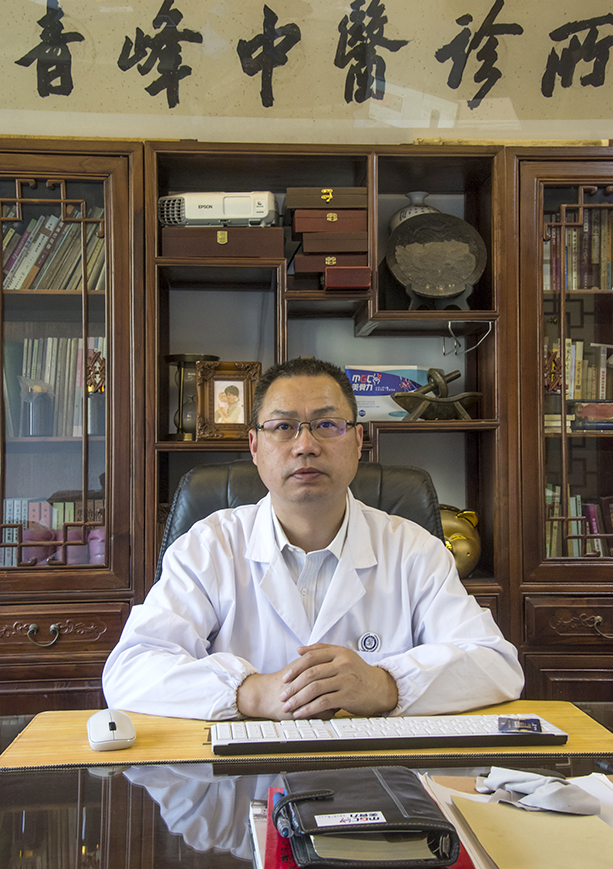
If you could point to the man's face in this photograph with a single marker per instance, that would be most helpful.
(306, 469)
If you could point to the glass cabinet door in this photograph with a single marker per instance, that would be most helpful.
(569, 427)
(59, 333)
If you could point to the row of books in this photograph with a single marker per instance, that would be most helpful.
(586, 520)
(46, 253)
(588, 368)
(44, 522)
(579, 257)
(43, 385)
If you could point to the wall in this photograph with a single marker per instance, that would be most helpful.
(173, 69)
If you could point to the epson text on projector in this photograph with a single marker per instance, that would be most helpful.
(255, 208)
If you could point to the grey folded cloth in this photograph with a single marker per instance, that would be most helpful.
(534, 792)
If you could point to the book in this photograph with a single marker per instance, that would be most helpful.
(47, 252)
(595, 251)
(585, 251)
(67, 408)
(59, 384)
(71, 256)
(33, 512)
(556, 531)
(67, 247)
(17, 252)
(601, 352)
(11, 279)
(77, 419)
(57, 515)
(569, 368)
(606, 506)
(94, 244)
(574, 526)
(594, 526)
(13, 361)
(604, 250)
(8, 552)
(578, 370)
(547, 282)
(34, 250)
(593, 425)
(45, 514)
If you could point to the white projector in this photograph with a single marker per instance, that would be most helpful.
(258, 208)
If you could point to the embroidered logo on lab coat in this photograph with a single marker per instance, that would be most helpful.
(369, 642)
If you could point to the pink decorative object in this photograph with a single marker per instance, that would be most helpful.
(39, 533)
(75, 554)
(96, 541)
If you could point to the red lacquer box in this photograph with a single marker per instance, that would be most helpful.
(315, 263)
(347, 278)
(328, 220)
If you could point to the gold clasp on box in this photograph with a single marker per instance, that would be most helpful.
(222, 236)
(327, 193)
(332, 216)
(330, 260)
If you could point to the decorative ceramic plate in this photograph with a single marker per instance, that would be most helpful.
(436, 255)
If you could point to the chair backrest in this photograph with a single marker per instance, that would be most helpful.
(401, 491)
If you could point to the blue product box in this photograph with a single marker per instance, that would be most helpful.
(373, 386)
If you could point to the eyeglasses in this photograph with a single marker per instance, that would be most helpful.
(287, 429)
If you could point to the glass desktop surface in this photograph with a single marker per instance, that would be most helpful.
(163, 816)
(154, 816)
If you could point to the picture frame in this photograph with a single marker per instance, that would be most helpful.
(224, 398)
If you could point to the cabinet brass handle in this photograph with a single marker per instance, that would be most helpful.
(598, 621)
(33, 629)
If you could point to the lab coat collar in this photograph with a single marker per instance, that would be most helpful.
(346, 587)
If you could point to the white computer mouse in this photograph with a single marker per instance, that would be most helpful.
(110, 730)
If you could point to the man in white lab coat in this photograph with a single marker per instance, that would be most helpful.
(309, 601)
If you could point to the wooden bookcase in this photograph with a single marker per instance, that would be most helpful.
(566, 308)
(75, 458)
(254, 308)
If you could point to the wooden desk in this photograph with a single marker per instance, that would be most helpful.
(162, 815)
(58, 739)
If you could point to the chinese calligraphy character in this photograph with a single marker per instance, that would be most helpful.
(593, 50)
(164, 49)
(361, 34)
(485, 42)
(52, 56)
(268, 50)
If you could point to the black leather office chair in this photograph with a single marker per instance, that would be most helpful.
(402, 491)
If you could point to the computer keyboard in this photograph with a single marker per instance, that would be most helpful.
(372, 734)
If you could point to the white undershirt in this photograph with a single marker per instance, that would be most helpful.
(313, 571)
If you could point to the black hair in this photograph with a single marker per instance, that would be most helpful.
(301, 367)
(232, 390)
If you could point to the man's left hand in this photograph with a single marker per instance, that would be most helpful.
(327, 678)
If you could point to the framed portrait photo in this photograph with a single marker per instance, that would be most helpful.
(224, 398)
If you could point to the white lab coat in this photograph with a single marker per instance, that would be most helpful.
(226, 607)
